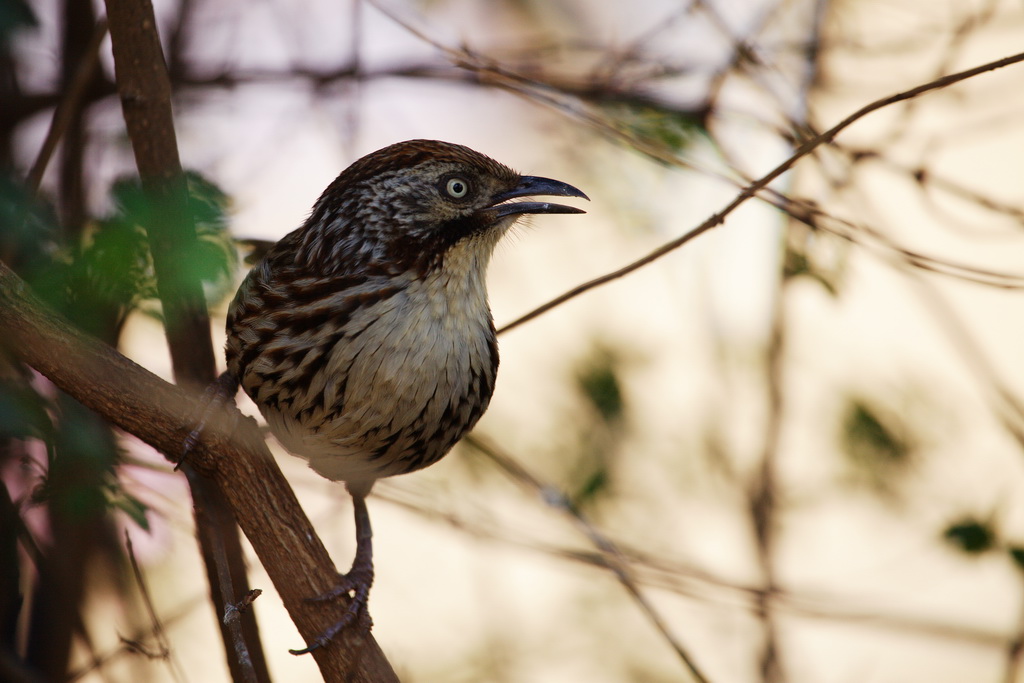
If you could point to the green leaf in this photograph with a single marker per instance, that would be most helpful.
(971, 536)
(214, 258)
(877, 445)
(872, 440)
(674, 129)
(592, 488)
(136, 510)
(14, 16)
(598, 381)
(23, 413)
(797, 264)
(81, 463)
(114, 267)
(28, 237)
(1017, 556)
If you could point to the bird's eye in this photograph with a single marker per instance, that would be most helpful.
(457, 188)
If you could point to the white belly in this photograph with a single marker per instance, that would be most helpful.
(398, 390)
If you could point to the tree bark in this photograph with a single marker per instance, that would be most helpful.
(162, 415)
(145, 90)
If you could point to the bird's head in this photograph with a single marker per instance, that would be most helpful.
(408, 205)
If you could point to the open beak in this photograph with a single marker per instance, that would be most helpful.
(532, 186)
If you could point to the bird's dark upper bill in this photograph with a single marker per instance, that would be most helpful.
(533, 186)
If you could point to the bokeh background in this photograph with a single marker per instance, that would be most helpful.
(790, 449)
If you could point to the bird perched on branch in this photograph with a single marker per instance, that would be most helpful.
(365, 337)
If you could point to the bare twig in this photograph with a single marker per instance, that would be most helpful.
(611, 556)
(878, 242)
(69, 104)
(127, 643)
(754, 188)
(166, 652)
(1014, 652)
(684, 580)
(231, 618)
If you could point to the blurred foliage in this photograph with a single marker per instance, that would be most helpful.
(28, 238)
(975, 537)
(971, 536)
(674, 130)
(597, 379)
(798, 264)
(24, 413)
(14, 16)
(214, 257)
(81, 464)
(810, 254)
(876, 443)
(592, 487)
(96, 280)
(119, 499)
(102, 277)
(1017, 556)
(62, 461)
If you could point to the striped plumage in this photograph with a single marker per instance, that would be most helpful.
(365, 337)
(365, 376)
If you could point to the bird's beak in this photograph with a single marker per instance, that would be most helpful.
(532, 186)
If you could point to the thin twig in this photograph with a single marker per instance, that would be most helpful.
(753, 188)
(874, 240)
(127, 644)
(68, 106)
(231, 617)
(166, 652)
(1014, 652)
(686, 581)
(612, 557)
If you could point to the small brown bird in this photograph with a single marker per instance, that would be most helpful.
(365, 337)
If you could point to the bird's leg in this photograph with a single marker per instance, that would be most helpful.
(219, 394)
(356, 582)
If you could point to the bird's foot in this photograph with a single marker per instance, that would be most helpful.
(354, 585)
(218, 395)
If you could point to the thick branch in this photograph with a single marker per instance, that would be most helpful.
(161, 414)
(146, 101)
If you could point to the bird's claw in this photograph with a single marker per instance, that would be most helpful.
(356, 586)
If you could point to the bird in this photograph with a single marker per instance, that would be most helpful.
(365, 337)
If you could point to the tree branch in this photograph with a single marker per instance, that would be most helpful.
(162, 414)
(145, 91)
(752, 190)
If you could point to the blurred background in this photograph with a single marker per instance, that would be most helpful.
(791, 449)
